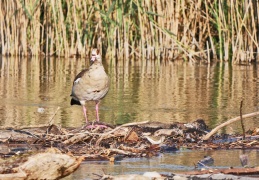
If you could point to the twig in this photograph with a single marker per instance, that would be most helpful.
(25, 132)
(241, 120)
(119, 151)
(213, 131)
(124, 125)
(204, 165)
(76, 138)
(51, 121)
(52, 117)
(23, 127)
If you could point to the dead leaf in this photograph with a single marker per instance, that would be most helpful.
(133, 136)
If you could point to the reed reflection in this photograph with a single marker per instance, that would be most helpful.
(32, 89)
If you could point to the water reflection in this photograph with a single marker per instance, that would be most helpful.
(165, 163)
(140, 90)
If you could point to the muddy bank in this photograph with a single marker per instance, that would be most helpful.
(112, 143)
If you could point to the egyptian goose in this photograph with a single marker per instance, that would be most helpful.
(91, 84)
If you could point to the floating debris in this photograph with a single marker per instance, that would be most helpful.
(140, 139)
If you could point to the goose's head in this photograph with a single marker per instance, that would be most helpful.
(96, 56)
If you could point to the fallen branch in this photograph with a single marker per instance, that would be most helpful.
(119, 151)
(131, 149)
(213, 131)
(76, 138)
(124, 125)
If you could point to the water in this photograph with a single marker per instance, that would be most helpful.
(165, 163)
(31, 90)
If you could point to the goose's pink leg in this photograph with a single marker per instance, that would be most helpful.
(97, 117)
(97, 114)
(97, 110)
(84, 110)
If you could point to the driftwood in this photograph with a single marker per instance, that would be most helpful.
(51, 164)
(213, 131)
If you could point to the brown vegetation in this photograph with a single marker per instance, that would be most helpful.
(140, 139)
(194, 30)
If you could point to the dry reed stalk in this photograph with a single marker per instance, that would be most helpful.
(132, 28)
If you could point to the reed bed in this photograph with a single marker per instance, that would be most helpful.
(128, 29)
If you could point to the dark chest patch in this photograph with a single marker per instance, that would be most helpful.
(81, 74)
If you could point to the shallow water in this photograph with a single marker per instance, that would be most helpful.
(32, 89)
(167, 163)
